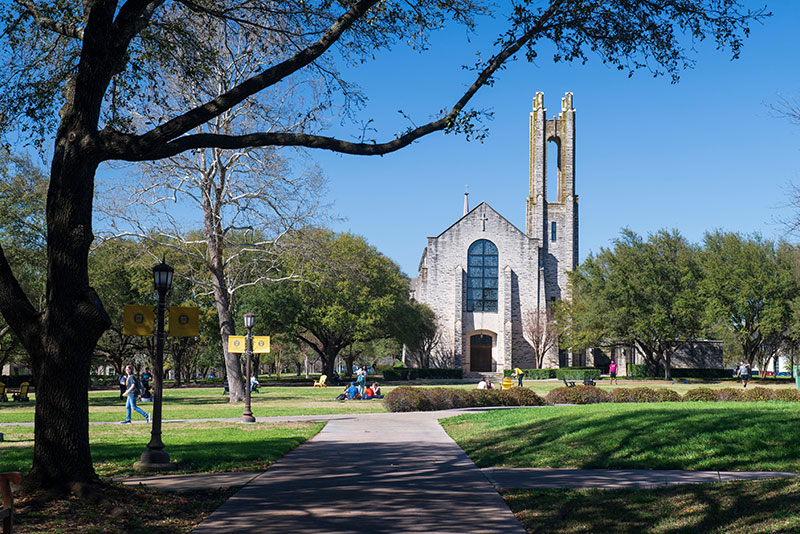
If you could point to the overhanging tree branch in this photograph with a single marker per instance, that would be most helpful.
(146, 147)
(48, 23)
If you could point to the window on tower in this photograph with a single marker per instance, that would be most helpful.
(482, 276)
(553, 231)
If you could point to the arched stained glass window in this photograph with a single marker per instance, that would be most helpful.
(482, 276)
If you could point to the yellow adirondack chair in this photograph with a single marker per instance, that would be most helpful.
(507, 382)
(23, 392)
(321, 382)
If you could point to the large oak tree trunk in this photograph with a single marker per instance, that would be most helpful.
(68, 330)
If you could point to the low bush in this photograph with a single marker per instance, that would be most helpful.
(644, 395)
(787, 395)
(407, 399)
(729, 394)
(440, 398)
(521, 397)
(700, 394)
(577, 373)
(411, 399)
(667, 395)
(757, 394)
(578, 394)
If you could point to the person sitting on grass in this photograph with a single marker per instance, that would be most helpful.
(254, 384)
(376, 391)
(482, 383)
(352, 392)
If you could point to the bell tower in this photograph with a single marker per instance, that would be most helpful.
(554, 224)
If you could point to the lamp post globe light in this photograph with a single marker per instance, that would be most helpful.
(155, 458)
(249, 321)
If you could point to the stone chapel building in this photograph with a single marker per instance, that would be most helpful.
(482, 275)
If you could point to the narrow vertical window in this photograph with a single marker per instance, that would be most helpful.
(553, 231)
(482, 276)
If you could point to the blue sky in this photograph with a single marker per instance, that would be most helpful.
(705, 153)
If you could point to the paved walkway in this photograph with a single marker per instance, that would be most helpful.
(393, 473)
(370, 473)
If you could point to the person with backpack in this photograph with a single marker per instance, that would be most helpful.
(133, 390)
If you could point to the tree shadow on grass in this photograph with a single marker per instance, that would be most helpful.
(744, 438)
(741, 507)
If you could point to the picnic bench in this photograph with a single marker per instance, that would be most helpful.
(587, 381)
(7, 511)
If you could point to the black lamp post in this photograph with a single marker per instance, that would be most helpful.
(155, 457)
(249, 321)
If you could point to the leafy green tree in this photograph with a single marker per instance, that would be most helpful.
(641, 292)
(80, 75)
(23, 191)
(349, 292)
(749, 288)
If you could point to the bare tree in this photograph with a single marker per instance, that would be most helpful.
(244, 200)
(539, 329)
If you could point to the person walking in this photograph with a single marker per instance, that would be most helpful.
(132, 390)
(612, 372)
(518, 374)
(361, 379)
(743, 373)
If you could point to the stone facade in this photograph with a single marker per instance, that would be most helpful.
(531, 267)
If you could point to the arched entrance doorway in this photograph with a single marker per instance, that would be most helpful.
(480, 353)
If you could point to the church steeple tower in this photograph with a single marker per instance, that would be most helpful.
(554, 224)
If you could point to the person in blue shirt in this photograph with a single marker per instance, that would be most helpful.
(131, 393)
(351, 391)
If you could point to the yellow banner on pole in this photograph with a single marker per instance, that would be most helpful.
(236, 344)
(184, 321)
(138, 320)
(260, 344)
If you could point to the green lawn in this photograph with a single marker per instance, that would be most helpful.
(743, 507)
(197, 447)
(714, 436)
(209, 403)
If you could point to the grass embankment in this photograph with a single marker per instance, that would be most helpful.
(196, 447)
(714, 436)
(743, 507)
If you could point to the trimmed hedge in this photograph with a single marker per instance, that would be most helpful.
(757, 394)
(578, 373)
(534, 374)
(636, 370)
(644, 395)
(412, 373)
(707, 374)
(578, 394)
(700, 394)
(416, 399)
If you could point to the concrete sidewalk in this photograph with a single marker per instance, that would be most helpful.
(510, 478)
(500, 477)
(370, 473)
